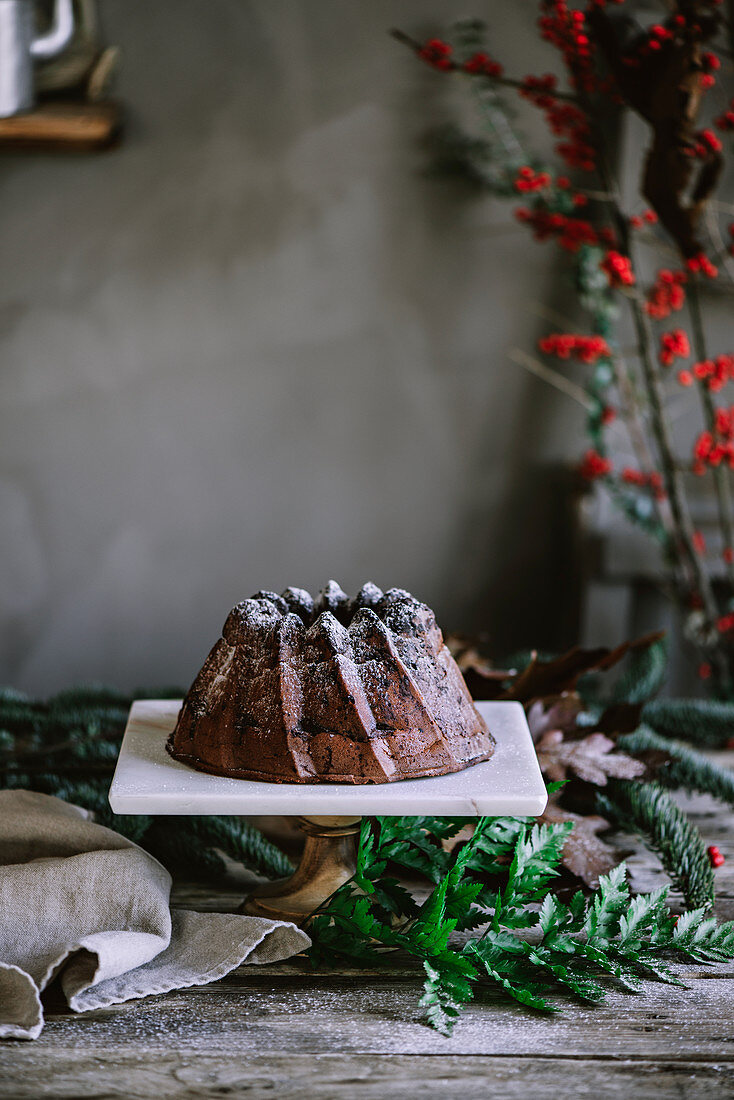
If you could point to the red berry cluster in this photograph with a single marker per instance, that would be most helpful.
(483, 65)
(712, 448)
(618, 269)
(725, 624)
(636, 477)
(701, 264)
(540, 90)
(709, 63)
(725, 121)
(715, 857)
(529, 180)
(571, 233)
(674, 345)
(594, 466)
(565, 28)
(667, 295)
(699, 543)
(661, 36)
(565, 120)
(706, 142)
(437, 53)
(714, 373)
(587, 349)
(657, 36)
(638, 220)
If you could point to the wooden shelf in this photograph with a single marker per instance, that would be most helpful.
(63, 127)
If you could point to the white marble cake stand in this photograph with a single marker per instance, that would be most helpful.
(148, 781)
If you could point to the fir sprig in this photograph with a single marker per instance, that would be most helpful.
(648, 809)
(498, 882)
(684, 766)
(705, 721)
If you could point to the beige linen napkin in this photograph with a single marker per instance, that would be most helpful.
(79, 900)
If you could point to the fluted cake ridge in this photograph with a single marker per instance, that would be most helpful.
(337, 689)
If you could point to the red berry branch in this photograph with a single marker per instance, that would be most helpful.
(666, 73)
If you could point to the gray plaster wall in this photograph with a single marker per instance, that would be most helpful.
(255, 346)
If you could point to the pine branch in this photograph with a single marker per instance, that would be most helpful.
(237, 839)
(179, 856)
(644, 674)
(686, 768)
(647, 809)
(702, 721)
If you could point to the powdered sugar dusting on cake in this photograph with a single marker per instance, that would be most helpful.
(299, 601)
(337, 690)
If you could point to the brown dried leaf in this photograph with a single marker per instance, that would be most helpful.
(558, 712)
(543, 678)
(620, 718)
(483, 680)
(591, 759)
(584, 855)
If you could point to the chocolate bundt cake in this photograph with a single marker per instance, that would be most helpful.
(332, 691)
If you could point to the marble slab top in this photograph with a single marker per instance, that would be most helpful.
(148, 781)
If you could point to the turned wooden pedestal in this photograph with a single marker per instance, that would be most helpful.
(327, 862)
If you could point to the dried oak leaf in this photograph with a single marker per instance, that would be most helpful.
(584, 855)
(557, 712)
(483, 680)
(620, 718)
(591, 759)
(543, 678)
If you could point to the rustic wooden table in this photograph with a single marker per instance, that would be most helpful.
(289, 1031)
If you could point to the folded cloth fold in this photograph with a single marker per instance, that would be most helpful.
(80, 901)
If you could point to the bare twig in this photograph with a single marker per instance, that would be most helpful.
(551, 315)
(452, 66)
(552, 377)
(683, 531)
(632, 414)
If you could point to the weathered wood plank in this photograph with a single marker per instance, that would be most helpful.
(187, 1076)
(253, 1011)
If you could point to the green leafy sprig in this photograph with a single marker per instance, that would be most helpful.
(517, 936)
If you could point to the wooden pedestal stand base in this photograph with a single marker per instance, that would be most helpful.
(328, 861)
